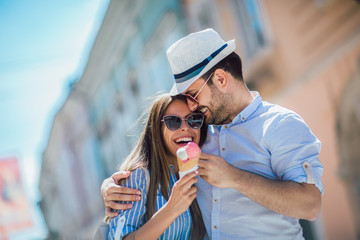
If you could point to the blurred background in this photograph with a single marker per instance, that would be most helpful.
(76, 75)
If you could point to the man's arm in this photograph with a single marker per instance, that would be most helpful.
(298, 200)
(112, 192)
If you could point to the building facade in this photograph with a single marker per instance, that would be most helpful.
(94, 130)
(304, 55)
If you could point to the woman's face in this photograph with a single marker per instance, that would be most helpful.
(176, 139)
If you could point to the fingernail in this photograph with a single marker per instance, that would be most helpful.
(197, 172)
(138, 198)
(138, 192)
(129, 205)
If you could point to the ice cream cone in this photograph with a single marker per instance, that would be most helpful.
(188, 158)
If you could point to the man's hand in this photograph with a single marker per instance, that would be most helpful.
(111, 192)
(298, 200)
(216, 171)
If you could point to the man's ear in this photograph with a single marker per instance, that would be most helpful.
(220, 79)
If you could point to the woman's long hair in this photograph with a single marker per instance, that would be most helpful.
(150, 152)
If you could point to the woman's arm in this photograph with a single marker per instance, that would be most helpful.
(182, 195)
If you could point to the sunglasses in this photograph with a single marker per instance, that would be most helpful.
(173, 122)
(193, 98)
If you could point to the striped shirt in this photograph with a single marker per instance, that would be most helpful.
(132, 219)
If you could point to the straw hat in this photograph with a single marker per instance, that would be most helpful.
(194, 55)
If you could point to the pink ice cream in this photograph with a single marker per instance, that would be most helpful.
(192, 150)
(188, 157)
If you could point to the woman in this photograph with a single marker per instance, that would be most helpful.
(168, 210)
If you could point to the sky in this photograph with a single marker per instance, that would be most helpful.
(44, 46)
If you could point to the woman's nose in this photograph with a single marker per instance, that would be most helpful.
(184, 126)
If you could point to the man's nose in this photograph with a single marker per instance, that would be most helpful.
(192, 105)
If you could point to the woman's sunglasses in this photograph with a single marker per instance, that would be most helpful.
(173, 122)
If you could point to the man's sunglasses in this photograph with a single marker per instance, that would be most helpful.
(173, 122)
(194, 98)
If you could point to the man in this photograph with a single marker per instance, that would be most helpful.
(259, 170)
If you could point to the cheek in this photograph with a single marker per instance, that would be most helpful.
(197, 136)
(167, 139)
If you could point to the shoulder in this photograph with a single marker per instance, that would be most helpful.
(275, 115)
(283, 125)
(137, 179)
(139, 172)
(274, 110)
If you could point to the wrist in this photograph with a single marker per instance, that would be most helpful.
(236, 177)
(170, 211)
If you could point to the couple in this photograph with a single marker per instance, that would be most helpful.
(259, 171)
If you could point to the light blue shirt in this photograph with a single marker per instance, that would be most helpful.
(268, 140)
(132, 219)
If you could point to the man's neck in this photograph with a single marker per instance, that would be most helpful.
(242, 97)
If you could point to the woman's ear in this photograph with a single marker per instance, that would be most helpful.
(220, 79)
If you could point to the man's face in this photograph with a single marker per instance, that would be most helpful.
(210, 101)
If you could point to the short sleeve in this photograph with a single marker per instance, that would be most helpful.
(295, 151)
(131, 219)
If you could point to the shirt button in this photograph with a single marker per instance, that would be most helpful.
(215, 200)
(215, 227)
(223, 149)
(243, 118)
(226, 126)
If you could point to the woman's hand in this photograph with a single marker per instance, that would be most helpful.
(182, 194)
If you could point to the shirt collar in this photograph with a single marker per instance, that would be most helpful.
(250, 109)
(244, 114)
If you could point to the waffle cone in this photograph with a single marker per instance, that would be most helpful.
(192, 162)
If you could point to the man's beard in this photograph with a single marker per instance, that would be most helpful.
(219, 108)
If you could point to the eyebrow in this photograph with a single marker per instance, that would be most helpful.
(191, 92)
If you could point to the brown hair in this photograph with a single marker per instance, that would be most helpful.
(150, 152)
(231, 64)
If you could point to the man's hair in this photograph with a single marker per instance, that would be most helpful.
(231, 64)
(151, 152)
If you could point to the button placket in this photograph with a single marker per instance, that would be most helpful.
(222, 140)
(215, 213)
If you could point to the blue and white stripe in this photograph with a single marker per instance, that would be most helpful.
(195, 70)
(132, 219)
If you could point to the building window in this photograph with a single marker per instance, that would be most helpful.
(251, 26)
